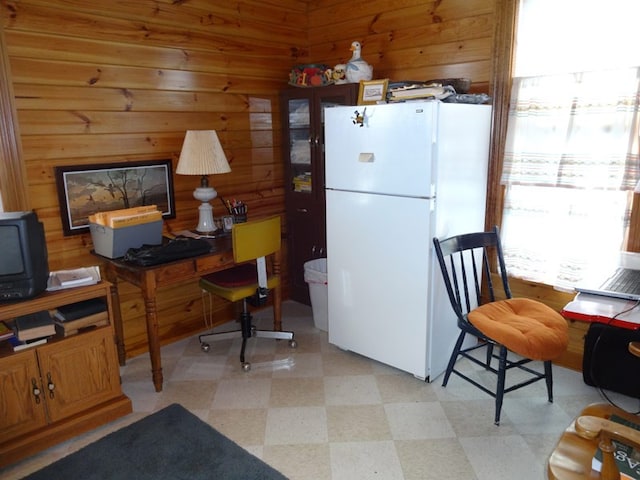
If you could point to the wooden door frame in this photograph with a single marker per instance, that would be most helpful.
(503, 44)
(13, 184)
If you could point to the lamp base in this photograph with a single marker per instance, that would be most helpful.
(205, 220)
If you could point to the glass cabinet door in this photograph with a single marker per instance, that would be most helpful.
(303, 154)
(300, 145)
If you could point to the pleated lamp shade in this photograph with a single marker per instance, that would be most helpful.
(202, 155)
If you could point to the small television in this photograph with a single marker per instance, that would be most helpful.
(24, 265)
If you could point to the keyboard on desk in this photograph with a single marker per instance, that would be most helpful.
(175, 249)
(625, 280)
(624, 283)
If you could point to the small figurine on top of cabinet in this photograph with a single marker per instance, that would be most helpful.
(339, 74)
(357, 68)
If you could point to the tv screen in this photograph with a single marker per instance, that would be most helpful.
(24, 267)
(11, 252)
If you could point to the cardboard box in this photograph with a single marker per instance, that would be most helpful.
(114, 242)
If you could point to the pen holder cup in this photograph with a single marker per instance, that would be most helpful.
(240, 218)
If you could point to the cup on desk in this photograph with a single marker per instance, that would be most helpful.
(227, 223)
(239, 211)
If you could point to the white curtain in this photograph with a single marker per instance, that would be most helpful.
(571, 161)
(572, 157)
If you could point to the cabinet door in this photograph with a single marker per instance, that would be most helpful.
(303, 243)
(22, 403)
(79, 373)
(303, 144)
(303, 137)
(298, 139)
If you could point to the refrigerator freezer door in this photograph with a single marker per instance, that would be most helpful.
(378, 277)
(389, 154)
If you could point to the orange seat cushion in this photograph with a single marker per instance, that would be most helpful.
(526, 327)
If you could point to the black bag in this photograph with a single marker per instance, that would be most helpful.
(607, 362)
(175, 249)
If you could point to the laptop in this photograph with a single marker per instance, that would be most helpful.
(624, 284)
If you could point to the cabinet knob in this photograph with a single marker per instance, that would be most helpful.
(35, 390)
(302, 210)
(50, 385)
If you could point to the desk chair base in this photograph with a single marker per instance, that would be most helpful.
(247, 331)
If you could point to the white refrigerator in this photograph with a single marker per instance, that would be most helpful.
(397, 175)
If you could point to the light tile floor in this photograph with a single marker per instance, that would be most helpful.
(318, 412)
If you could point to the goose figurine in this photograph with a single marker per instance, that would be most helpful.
(357, 68)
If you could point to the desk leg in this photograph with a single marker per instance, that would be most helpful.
(153, 330)
(117, 316)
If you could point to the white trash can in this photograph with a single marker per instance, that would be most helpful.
(315, 274)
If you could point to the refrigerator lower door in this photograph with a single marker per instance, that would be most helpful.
(378, 275)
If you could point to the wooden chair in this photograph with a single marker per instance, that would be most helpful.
(250, 282)
(522, 326)
(572, 457)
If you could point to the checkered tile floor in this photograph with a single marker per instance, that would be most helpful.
(317, 412)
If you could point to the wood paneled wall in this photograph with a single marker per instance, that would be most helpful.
(99, 82)
(408, 40)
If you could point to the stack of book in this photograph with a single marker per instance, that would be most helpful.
(72, 318)
(302, 182)
(5, 332)
(403, 91)
(29, 330)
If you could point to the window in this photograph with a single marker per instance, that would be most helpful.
(571, 160)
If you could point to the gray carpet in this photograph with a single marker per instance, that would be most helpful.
(169, 444)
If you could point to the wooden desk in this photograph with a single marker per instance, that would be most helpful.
(601, 309)
(149, 279)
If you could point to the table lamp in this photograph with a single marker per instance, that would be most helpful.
(202, 155)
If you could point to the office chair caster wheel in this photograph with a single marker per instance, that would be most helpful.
(246, 366)
(204, 347)
(293, 344)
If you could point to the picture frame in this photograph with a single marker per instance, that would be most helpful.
(372, 91)
(87, 189)
(227, 223)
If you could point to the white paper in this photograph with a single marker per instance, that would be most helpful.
(77, 277)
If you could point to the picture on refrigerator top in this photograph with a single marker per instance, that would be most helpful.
(404, 174)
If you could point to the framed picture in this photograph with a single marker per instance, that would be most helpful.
(87, 189)
(227, 223)
(372, 91)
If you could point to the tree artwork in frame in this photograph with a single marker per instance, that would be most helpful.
(87, 189)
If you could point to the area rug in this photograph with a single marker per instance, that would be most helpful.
(169, 444)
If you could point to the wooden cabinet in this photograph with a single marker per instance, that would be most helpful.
(303, 147)
(55, 391)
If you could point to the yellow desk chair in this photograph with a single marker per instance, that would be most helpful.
(250, 282)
